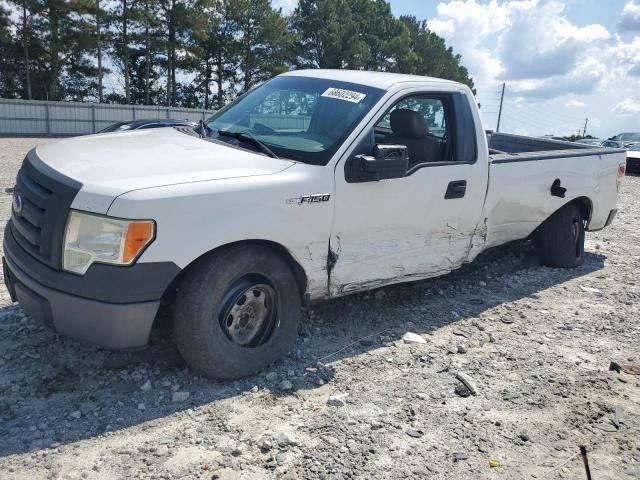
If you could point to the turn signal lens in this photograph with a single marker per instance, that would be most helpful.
(139, 235)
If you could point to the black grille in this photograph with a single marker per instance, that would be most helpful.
(45, 197)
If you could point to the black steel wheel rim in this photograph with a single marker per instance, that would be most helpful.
(248, 312)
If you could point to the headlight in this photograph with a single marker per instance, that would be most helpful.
(92, 239)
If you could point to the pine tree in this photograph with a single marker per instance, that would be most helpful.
(430, 55)
(8, 60)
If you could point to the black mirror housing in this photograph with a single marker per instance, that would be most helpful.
(387, 161)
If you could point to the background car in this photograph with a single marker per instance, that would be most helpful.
(553, 137)
(147, 123)
(628, 138)
(633, 158)
(612, 144)
(594, 142)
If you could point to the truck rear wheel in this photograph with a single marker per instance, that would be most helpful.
(236, 312)
(560, 239)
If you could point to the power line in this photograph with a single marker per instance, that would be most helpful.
(558, 115)
(548, 121)
(535, 109)
(530, 123)
(542, 119)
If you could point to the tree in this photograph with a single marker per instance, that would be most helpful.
(386, 38)
(183, 20)
(119, 19)
(99, 14)
(364, 34)
(24, 33)
(245, 43)
(151, 45)
(8, 71)
(218, 52)
(430, 55)
(55, 49)
(54, 24)
(328, 35)
(23, 69)
(265, 45)
(57, 38)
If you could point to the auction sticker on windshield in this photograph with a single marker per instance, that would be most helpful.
(340, 94)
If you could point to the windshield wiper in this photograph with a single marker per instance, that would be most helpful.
(204, 129)
(248, 137)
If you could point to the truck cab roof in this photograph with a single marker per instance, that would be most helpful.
(381, 80)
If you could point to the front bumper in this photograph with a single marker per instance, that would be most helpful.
(109, 306)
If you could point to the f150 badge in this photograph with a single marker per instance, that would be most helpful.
(317, 198)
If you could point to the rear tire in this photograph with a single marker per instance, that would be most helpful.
(560, 239)
(237, 311)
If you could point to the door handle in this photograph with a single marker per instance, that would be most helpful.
(456, 189)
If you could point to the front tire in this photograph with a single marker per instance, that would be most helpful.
(237, 311)
(560, 239)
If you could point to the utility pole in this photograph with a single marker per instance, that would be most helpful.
(99, 53)
(25, 49)
(584, 130)
(500, 111)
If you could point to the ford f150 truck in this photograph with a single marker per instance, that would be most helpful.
(314, 185)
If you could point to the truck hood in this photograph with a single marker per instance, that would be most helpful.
(109, 165)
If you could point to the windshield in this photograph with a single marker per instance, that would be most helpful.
(635, 148)
(629, 137)
(301, 118)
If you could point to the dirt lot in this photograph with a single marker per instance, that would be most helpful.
(536, 341)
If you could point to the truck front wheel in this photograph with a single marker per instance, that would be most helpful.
(237, 311)
(560, 239)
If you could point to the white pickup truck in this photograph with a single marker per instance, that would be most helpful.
(314, 185)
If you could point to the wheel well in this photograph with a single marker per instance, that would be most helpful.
(299, 273)
(583, 203)
(586, 207)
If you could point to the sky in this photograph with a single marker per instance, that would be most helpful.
(562, 62)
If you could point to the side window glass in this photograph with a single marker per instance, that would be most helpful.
(420, 123)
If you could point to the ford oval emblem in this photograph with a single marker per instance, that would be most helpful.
(18, 203)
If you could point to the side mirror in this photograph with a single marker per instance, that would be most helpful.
(387, 161)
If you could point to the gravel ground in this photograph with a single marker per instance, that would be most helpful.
(536, 342)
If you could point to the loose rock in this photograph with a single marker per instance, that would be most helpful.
(411, 337)
(286, 385)
(337, 400)
(467, 381)
(180, 396)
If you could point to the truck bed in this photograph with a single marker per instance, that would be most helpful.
(522, 171)
(505, 147)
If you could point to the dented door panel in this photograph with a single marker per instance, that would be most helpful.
(404, 229)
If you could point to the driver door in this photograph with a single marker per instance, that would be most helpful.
(422, 224)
